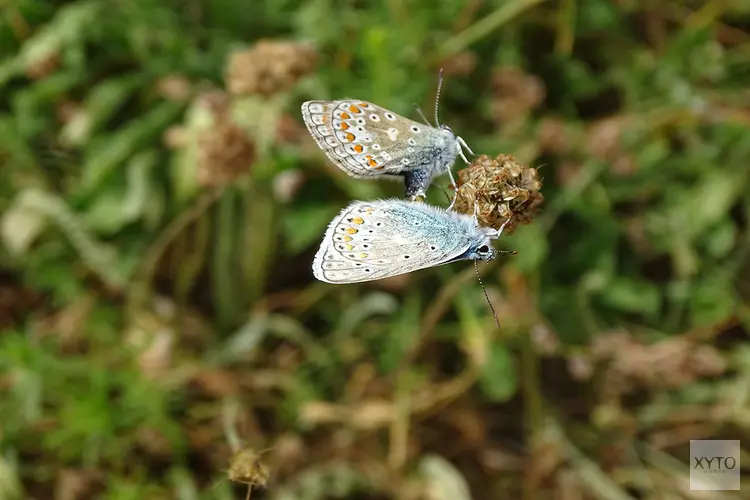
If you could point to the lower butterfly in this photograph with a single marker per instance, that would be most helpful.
(383, 238)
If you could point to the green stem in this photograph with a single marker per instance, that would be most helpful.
(479, 30)
(222, 273)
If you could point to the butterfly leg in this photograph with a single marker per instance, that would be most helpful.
(460, 143)
(453, 181)
(416, 182)
(502, 227)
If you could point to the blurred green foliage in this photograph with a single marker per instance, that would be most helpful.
(146, 316)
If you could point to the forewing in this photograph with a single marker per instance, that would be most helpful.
(366, 140)
(374, 240)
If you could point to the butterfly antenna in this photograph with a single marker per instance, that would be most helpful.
(419, 110)
(486, 295)
(437, 96)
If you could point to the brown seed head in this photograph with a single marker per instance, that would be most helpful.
(246, 467)
(515, 94)
(500, 188)
(268, 67)
(225, 151)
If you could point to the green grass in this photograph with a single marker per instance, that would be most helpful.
(150, 324)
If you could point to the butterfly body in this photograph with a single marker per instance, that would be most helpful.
(368, 141)
(383, 238)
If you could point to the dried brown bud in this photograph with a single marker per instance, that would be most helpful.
(603, 142)
(175, 137)
(217, 102)
(500, 188)
(556, 136)
(224, 150)
(246, 467)
(461, 64)
(515, 94)
(268, 67)
(174, 88)
(288, 129)
(668, 364)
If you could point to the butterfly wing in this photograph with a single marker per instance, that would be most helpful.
(379, 239)
(366, 140)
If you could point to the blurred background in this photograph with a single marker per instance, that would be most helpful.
(161, 202)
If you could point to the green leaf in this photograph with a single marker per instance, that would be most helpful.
(306, 224)
(118, 205)
(111, 151)
(21, 223)
(631, 295)
(498, 379)
(400, 337)
(531, 244)
(712, 300)
(102, 102)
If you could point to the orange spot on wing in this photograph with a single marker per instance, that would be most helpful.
(371, 162)
(358, 220)
(351, 230)
(349, 247)
(344, 116)
(344, 126)
(363, 105)
(349, 137)
(363, 256)
(325, 118)
(354, 109)
(347, 238)
(358, 148)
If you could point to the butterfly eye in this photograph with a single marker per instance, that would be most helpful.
(484, 249)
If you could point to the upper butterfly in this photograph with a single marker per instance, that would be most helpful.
(366, 141)
(383, 238)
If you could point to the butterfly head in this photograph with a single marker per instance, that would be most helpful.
(481, 247)
(485, 251)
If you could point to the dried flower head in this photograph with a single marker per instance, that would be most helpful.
(461, 64)
(603, 142)
(289, 130)
(245, 466)
(225, 151)
(500, 188)
(668, 364)
(174, 88)
(175, 137)
(557, 137)
(515, 94)
(268, 67)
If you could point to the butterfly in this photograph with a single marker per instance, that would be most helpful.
(383, 238)
(368, 141)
